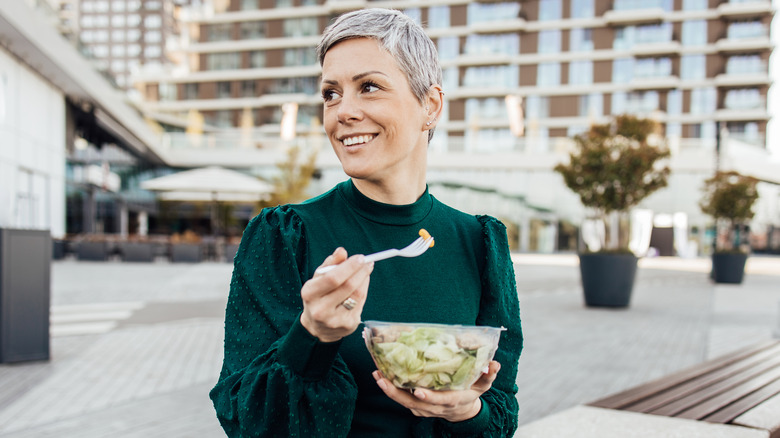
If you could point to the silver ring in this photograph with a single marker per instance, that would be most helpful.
(349, 303)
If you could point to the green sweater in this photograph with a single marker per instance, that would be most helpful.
(277, 380)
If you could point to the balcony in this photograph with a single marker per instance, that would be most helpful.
(512, 25)
(735, 115)
(757, 43)
(634, 16)
(745, 9)
(656, 48)
(340, 6)
(742, 79)
(655, 83)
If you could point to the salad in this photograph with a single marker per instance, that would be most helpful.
(434, 356)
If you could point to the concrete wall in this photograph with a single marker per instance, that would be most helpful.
(32, 149)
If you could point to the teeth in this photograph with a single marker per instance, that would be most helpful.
(349, 141)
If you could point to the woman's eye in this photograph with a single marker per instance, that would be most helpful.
(329, 95)
(370, 88)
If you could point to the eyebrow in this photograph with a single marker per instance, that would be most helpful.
(356, 77)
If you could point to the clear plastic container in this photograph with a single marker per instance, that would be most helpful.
(433, 356)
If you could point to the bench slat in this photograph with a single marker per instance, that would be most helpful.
(734, 410)
(695, 391)
(633, 395)
(733, 372)
(707, 407)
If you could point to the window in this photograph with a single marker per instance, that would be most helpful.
(153, 5)
(591, 105)
(223, 61)
(248, 5)
(631, 5)
(580, 40)
(152, 36)
(693, 66)
(634, 102)
(252, 29)
(694, 5)
(703, 100)
(299, 56)
(746, 29)
(223, 90)
(652, 67)
(493, 44)
(492, 76)
(450, 77)
(745, 64)
(548, 74)
(438, 17)
(306, 85)
(118, 20)
(153, 21)
(87, 21)
(627, 37)
(550, 10)
(743, 99)
(152, 52)
(448, 47)
(694, 32)
(133, 5)
(133, 50)
(248, 89)
(674, 102)
(622, 70)
(487, 12)
(486, 109)
(581, 72)
(133, 20)
(118, 36)
(220, 32)
(87, 6)
(118, 6)
(167, 91)
(582, 9)
(549, 41)
(118, 51)
(537, 107)
(257, 59)
(746, 131)
(191, 90)
(298, 27)
(223, 119)
(100, 51)
(101, 36)
(101, 6)
(133, 35)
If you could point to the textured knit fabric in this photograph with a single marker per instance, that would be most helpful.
(278, 380)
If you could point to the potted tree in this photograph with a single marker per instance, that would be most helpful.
(612, 168)
(729, 198)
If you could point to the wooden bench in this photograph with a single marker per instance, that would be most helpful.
(741, 388)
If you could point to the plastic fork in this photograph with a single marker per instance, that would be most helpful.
(414, 249)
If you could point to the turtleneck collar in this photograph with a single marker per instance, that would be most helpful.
(387, 214)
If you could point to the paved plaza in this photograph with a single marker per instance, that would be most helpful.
(135, 347)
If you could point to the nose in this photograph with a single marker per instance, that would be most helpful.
(349, 109)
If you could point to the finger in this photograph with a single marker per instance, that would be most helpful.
(485, 381)
(338, 256)
(400, 396)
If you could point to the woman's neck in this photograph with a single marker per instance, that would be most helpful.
(394, 193)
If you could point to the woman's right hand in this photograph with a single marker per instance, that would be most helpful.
(323, 315)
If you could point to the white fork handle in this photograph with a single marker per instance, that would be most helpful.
(375, 257)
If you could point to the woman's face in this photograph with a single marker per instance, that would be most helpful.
(375, 124)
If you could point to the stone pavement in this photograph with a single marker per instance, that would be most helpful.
(136, 347)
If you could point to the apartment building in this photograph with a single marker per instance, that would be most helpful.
(699, 67)
(123, 35)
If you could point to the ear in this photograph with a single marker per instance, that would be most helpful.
(434, 105)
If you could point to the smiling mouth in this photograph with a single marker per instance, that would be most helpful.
(358, 139)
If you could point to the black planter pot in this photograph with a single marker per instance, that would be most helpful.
(728, 268)
(607, 279)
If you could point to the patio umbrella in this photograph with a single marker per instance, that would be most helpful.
(214, 183)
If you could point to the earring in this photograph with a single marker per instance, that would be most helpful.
(428, 124)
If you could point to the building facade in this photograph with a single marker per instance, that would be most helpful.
(546, 68)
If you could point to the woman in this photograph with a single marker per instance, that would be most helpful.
(295, 363)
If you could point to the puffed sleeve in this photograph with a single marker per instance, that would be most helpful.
(499, 307)
(276, 378)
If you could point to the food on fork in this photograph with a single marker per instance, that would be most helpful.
(425, 235)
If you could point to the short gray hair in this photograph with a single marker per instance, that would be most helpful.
(404, 39)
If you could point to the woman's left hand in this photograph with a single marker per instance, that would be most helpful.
(452, 406)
